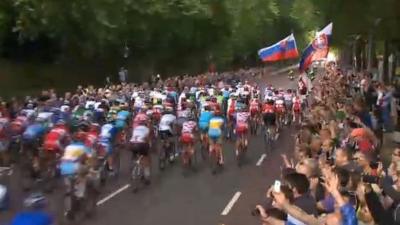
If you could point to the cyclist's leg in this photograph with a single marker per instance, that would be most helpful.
(146, 160)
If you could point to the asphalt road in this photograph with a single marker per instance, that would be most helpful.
(199, 198)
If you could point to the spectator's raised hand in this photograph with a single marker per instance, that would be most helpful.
(331, 182)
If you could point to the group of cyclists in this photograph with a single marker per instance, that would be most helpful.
(67, 136)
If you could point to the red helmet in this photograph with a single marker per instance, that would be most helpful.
(79, 136)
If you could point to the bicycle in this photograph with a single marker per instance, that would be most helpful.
(5, 174)
(80, 196)
(269, 137)
(242, 149)
(205, 146)
(166, 153)
(215, 157)
(137, 173)
(188, 156)
(254, 120)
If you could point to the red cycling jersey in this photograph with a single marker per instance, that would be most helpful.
(53, 140)
(268, 108)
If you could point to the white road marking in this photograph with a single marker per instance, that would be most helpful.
(259, 162)
(231, 203)
(110, 196)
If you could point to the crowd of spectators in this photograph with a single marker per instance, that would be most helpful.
(340, 171)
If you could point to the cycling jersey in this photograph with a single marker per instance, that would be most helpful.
(215, 127)
(166, 122)
(140, 134)
(188, 126)
(34, 131)
(254, 105)
(70, 163)
(296, 104)
(288, 97)
(52, 140)
(187, 131)
(123, 115)
(91, 139)
(107, 133)
(183, 113)
(280, 106)
(241, 122)
(32, 218)
(140, 118)
(268, 109)
(204, 120)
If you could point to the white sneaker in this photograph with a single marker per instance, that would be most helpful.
(276, 136)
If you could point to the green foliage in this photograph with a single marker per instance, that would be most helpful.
(162, 32)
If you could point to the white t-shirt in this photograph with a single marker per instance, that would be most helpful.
(140, 134)
(166, 121)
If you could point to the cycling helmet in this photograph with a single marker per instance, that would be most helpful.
(35, 201)
(79, 136)
(168, 109)
(60, 122)
(94, 127)
(270, 101)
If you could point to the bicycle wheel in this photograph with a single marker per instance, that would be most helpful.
(214, 161)
(117, 163)
(90, 200)
(162, 158)
(135, 177)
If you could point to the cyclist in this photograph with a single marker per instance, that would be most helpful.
(75, 164)
(204, 120)
(255, 108)
(297, 107)
(216, 126)
(140, 116)
(165, 129)
(269, 115)
(280, 109)
(242, 119)
(232, 102)
(187, 138)
(140, 146)
(35, 213)
(107, 136)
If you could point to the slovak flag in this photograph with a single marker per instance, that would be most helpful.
(317, 49)
(284, 49)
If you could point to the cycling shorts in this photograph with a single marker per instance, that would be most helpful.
(68, 168)
(203, 126)
(140, 149)
(254, 111)
(187, 138)
(269, 119)
(288, 104)
(164, 134)
(52, 145)
(4, 145)
(214, 134)
(241, 128)
(107, 147)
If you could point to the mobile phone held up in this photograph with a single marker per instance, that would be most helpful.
(277, 186)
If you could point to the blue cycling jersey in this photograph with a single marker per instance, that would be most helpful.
(123, 115)
(205, 117)
(34, 131)
(107, 133)
(32, 218)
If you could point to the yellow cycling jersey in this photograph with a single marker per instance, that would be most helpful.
(216, 123)
(73, 152)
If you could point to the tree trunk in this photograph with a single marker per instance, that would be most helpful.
(370, 51)
(386, 62)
